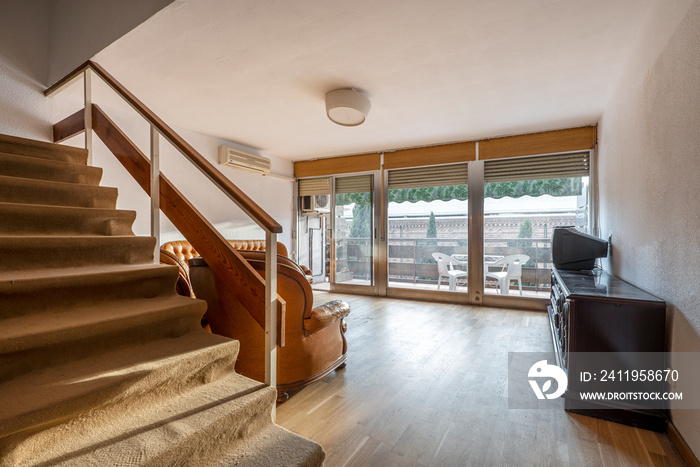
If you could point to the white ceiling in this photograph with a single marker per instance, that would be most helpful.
(256, 71)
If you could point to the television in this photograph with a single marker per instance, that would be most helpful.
(573, 250)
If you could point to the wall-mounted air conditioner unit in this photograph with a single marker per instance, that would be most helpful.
(316, 203)
(242, 160)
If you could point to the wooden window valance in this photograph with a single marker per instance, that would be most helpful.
(430, 155)
(337, 165)
(547, 142)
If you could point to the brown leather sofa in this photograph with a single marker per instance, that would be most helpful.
(178, 252)
(315, 343)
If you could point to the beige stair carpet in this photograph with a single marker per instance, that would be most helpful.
(101, 362)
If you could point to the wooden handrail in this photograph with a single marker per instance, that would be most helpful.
(224, 260)
(69, 127)
(262, 218)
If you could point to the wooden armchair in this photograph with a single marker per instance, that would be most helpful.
(315, 343)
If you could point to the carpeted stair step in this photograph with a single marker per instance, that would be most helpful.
(37, 291)
(100, 386)
(31, 342)
(29, 191)
(101, 363)
(271, 447)
(231, 414)
(36, 219)
(12, 165)
(43, 150)
(26, 253)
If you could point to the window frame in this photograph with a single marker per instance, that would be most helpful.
(475, 237)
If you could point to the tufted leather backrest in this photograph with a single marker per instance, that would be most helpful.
(257, 245)
(178, 252)
(181, 249)
(184, 251)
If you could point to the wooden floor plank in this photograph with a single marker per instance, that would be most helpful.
(426, 385)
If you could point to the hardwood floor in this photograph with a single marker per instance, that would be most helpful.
(426, 385)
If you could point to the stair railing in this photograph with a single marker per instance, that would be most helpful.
(225, 261)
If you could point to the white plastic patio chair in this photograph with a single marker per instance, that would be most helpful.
(446, 269)
(512, 271)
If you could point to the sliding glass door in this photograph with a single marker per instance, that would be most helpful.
(427, 228)
(353, 232)
(524, 199)
(314, 229)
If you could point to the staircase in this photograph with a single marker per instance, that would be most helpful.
(101, 362)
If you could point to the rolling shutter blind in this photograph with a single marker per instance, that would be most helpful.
(358, 184)
(315, 186)
(537, 168)
(420, 177)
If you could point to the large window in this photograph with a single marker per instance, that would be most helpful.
(524, 198)
(427, 228)
(354, 230)
(427, 219)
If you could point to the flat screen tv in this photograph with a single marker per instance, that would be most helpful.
(576, 251)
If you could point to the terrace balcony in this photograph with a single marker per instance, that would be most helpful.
(411, 263)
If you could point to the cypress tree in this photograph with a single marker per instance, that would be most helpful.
(432, 227)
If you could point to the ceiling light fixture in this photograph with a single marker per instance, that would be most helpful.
(347, 107)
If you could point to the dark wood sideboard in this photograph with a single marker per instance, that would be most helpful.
(593, 311)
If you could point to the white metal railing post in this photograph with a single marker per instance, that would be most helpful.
(87, 116)
(271, 312)
(155, 191)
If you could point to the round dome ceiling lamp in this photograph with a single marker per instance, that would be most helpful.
(347, 107)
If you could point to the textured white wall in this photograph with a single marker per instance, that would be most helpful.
(24, 111)
(649, 172)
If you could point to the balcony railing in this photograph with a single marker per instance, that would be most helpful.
(411, 261)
